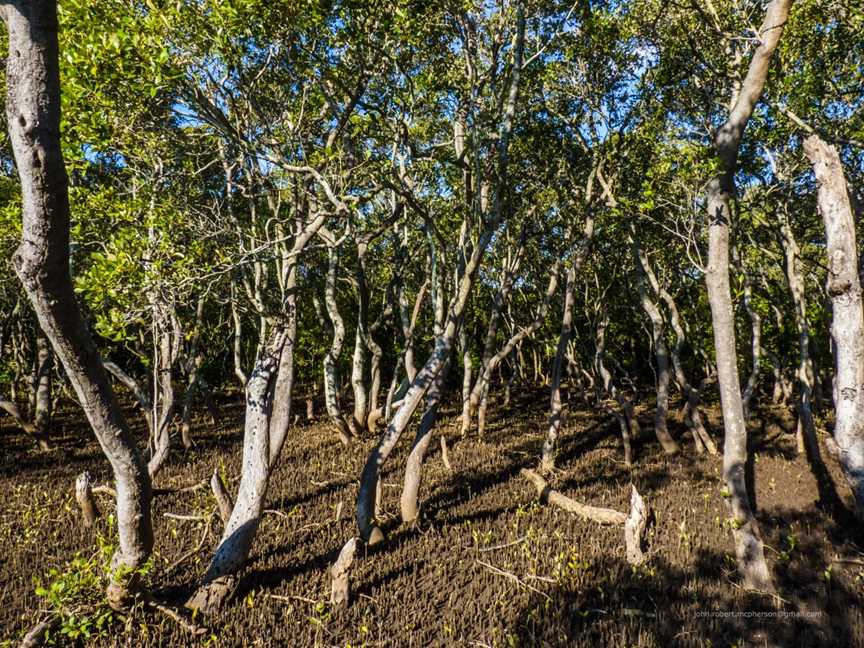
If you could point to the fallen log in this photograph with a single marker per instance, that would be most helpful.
(597, 514)
(635, 525)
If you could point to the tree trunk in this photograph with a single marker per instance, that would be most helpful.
(480, 391)
(42, 263)
(721, 192)
(807, 440)
(240, 531)
(358, 362)
(409, 505)
(193, 362)
(755, 336)
(331, 360)
(166, 331)
(847, 324)
(242, 378)
(661, 353)
(444, 341)
(547, 457)
(44, 399)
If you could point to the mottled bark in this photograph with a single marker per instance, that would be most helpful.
(236, 542)
(242, 378)
(358, 361)
(720, 194)
(331, 359)
(166, 346)
(42, 263)
(42, 388)
(847, 324)
(409, 501)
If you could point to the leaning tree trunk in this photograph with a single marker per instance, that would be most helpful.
(847, 324)
(721, 192)
(12, 409)
(268, 414)
(239, 532)
(42, 264)
(409, 502)
(365, 508)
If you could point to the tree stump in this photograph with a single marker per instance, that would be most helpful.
(85, 499)
(223, 499)
(340, 588)
(636, 528)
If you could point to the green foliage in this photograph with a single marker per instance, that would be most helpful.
(76, 593)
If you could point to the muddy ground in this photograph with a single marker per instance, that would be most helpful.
(488, 565)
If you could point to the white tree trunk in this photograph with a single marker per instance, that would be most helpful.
(847, 324)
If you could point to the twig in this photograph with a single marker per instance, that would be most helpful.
(513, 577)
(105, 490)
(175, 616)
(275, 512)
(186, 518)
(198, 548)
(504, 546)
(288, 599)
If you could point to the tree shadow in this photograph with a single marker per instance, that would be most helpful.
(658, 604)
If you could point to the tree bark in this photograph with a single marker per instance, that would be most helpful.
(409, 502)
(358, 362)
(331, 360)
(661, 352)
(42, 262)
(44, 398)
(547, 457)
(194, 361)
(239, 533)
(847, 324)
(166, 346)
(721, 192)
(755, 335)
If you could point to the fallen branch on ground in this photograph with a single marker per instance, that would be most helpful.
(635, 525)
(513, 577)
(597, 514)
